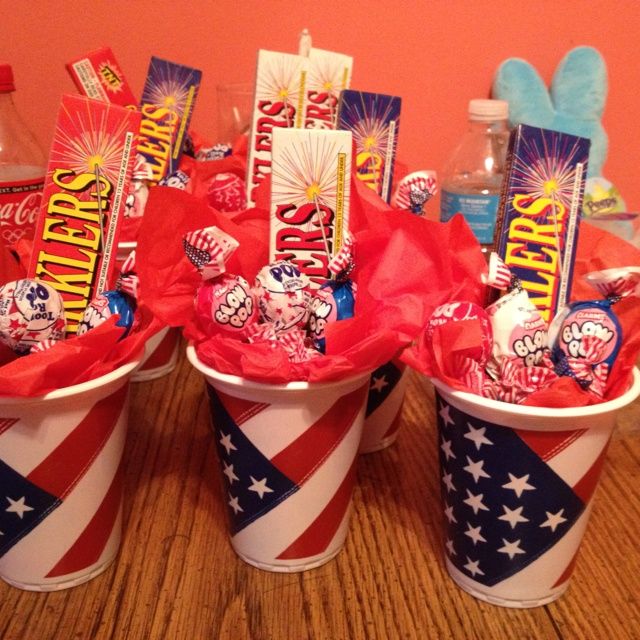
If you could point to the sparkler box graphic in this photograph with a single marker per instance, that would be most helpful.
(310, 191)
(85, 188)
(374, 119)
(329, 74)
(167, 104)
(279, 99)
(97, 75)
(539, 213)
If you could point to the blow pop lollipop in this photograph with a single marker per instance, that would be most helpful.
(224, 303)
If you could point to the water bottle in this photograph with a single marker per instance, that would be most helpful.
(473, 177)
(22, 168)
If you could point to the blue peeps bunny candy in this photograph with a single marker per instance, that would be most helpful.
(573, 104)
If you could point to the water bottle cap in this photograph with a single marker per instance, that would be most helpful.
(488, 110)
(6, 77)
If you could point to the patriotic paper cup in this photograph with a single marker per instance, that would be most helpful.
(384, 405)
(61, 482)
(288, 455)
(162, 350)
(517, 490)
(160, 355)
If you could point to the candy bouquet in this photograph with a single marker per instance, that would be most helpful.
(394, 270)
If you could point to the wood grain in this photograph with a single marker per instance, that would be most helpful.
(177, 576)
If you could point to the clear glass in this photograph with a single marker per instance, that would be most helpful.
(21, 157)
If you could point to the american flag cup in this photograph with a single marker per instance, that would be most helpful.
(160, 355)
(517, 488)
(61, 482)
(384, 406)
(162, 350)
(288, 455)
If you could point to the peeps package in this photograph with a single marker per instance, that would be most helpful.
(539, 213)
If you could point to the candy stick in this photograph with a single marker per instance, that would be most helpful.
(322, 230)
(304, 44)
(96, 169)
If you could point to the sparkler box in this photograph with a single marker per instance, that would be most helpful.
(329, 74)
(97, 75)
(309, 184)
(279, 99)
(83, 200)
(539, 213)
(167, 104)
(374, 119)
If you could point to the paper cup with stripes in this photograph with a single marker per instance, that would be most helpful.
(387, 389)
(160, 355)
(61, 482)
(517, 490)
(162, 349)
(288, 455)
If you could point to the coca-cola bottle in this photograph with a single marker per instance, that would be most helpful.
(22, 168)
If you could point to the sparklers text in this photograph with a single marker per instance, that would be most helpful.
(321, 109)
(274, 114)
(302, 240)
(157, 131)
(532, 247)
(72, 233)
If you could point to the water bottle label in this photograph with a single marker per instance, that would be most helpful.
(19, 207)
(479, 211)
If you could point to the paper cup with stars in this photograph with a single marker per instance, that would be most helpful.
(288, 456)
(61, 482)
(517, 489)
(384, 406)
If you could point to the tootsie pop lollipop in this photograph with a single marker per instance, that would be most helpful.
(283, 294)
(30, 312)
(335, 299)
(415, 190)
(586, 336)
(224, 303)
(122, 300)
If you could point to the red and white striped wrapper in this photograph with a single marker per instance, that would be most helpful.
(61, 481)
(288, 456)
(387, 389)
(518, 484)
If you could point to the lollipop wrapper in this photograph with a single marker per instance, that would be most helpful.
(405, 267)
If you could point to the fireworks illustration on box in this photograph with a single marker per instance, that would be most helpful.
(329, 74)
(310, 182)
(90, 139)
(172, 89)
(548, 164)
(282, 78)
(171, 85)
(374, 120)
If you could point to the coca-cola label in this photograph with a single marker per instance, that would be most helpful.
(19, 207)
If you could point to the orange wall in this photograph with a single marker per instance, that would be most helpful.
(436, 54)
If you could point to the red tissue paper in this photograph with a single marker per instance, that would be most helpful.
(597, 250)
(405, 267)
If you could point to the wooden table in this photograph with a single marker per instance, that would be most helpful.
(177, 576)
